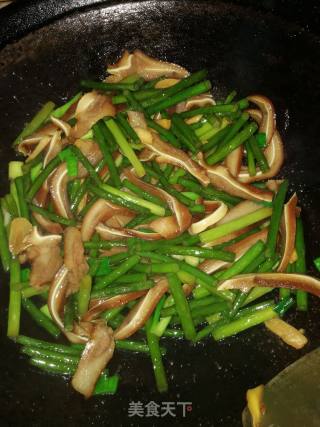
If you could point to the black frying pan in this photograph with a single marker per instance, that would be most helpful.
(250, 50)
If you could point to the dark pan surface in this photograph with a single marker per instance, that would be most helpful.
(243, 49)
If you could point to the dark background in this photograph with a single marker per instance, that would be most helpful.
(269, 47)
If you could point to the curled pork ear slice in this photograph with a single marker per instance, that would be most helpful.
(273, 280)
(215, 212)
(223, 180)
(74, 258)
(56, 301)
(32, 147)
(146, 67)
(100, 305)
(91, 107)
(198, 101)
(43, 252)
(61, 124)
(288, 232)
(234, 160)
(59, 193)
(268, 121)
(166, 153)
(95, 357)
(141, 312)
(99, 212)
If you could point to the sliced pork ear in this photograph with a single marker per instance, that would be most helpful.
(198, 101)
(43, 252)
(62, 125)
(54, 148)
(168, 154)
(146, 67)
(91, 107)
(32, 147)
(268, 122)
(273, 280)
(99, 212)
(223, 180)
(74, 258)
(41, 200)
(58, 191)
(216, 211)
(234, 160)
(288, 232)
(56, 300)
(141, 312)
(95, 357)
(101, 305)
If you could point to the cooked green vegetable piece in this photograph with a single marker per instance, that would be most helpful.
(118, 272)
(122, 119)
(52, 366)
(225, 149)
(110, 291)
(182, 306)
(207, 253)
(179, 97)
(91, 84)
(237, 224)
(102, 193)
(165, 134)
(107, 154)
(216, 139)
(36, 122)
(60, 111)
(85, 162)
(153, 208)
(243, 262)
(44, 345)
(41, 319)
(106, 384)
(156, 358)
(278, 204)
(219, 108)
(51, 166)
(52, 216)
(14, 300)
(52, 355)
(250, 160)
(126, 149)
(258, 154)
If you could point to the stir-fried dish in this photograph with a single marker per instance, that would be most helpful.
(147, 210)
